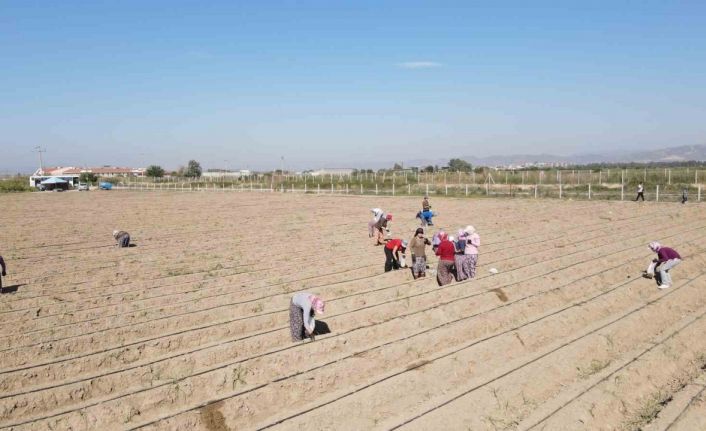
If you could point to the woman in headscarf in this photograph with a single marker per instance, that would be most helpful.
(302, 309)
(467, 259)
(446, 251)
(122, 237)
(392, 253)
(417, 245)
(381, 224)
(667, 258)
(377, 213)
(436, 240)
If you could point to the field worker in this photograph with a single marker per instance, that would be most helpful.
(392, 253)
(380, 225)
(122, 237)
(684, 196)
(467, 261)
(667, 258)
(436, 240)
(301, 315)
(417, 246)
(4, 270)
(640, 192)
(377, 213)
(446, 252)
(425, 217)
(425, 204)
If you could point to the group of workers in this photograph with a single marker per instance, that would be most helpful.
(641, 194)
(458, 257)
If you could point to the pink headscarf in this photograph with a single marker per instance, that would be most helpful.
(443, 236)
(317, 304)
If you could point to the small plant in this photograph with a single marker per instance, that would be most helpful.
(238, 376)
(592, 368)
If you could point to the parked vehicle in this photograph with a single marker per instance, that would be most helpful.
(105, 186)
(83, 187)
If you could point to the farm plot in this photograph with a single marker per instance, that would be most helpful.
(189, 328)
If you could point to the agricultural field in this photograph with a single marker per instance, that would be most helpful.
(189, 328)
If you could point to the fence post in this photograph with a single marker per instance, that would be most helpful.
(409, 189)
(589, 191)
(393, 189)
(361, 188)
(657, 194)
(427, 194)
(318, 188)
(376, 188)
(331, 188)
(560, 191)
(466, 189)
(622, 192)
(669, 181)
(698, 198)
(535, 191)
(346, 188)
(487, 190)
(446, 186)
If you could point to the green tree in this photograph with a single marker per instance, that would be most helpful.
(88, 177)
(459, 165)
(193, 169)
(429, 168)
(154, 171)
(397, 167)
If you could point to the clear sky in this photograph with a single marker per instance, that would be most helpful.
(341, 84)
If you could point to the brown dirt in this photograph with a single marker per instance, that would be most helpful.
(188, 330)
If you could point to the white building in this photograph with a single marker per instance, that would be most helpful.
(332, 171)
(72, 174)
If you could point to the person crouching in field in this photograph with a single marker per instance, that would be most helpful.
(377, 213)
(4, 271)
(302, 309)
(667, 258)
(425, 218)
(122, 237)
(446, 252)
(380, 227)
(417, 246)
(392, 253)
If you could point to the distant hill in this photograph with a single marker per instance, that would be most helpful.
(674, 154)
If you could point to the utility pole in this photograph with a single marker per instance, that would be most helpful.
(39, 150)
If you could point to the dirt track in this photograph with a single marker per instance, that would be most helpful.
(189, 329)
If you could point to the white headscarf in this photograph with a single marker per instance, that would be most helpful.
(470, 230)
(655, 246)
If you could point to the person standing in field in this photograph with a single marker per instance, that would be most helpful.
(417, 246)
(302, 309)
(425, 204)
(684, 196)
(667, 258)
(4, 271)
(446, 252)
(470, 254)
(640, 192)
(392, 253)
(122, 238)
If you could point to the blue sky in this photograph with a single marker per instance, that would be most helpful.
(330, 83)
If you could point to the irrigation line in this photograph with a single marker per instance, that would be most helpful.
(331, 300)
(545, 354)
(515, 328)
(357, 353)
(218, 295)
(631, 361)
(686, 407)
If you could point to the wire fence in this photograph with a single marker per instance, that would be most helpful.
(660, 193)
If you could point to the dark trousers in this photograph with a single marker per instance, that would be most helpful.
(640, 195)
(124, 241)
(391, 261)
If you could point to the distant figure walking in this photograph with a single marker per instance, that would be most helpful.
(640, 193)
(667, 258)
(392, 253)
(684, 196)
(302, 309)
(466, 258)
(446, 252)
(4, 271)
(417, 246)
(122, 237)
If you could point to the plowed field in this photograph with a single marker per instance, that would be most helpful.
(189, 328)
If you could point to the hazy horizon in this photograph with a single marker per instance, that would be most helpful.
(344, 85)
